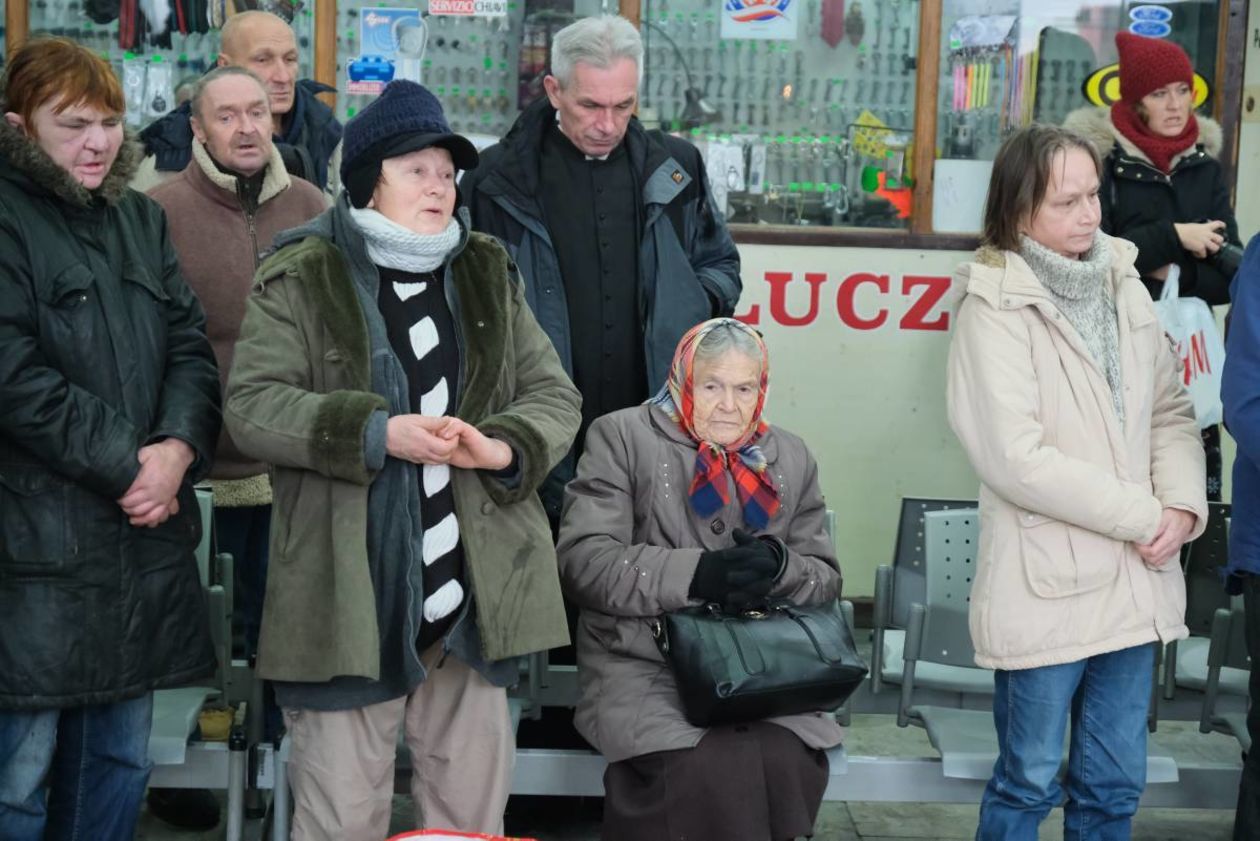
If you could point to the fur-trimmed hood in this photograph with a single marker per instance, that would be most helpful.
(21, 154)
(1095, 124)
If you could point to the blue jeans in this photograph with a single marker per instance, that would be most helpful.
(74, 774)
(1107, 697)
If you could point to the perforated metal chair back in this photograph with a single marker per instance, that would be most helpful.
(951, 539)
(1204, 557)
(909, 578)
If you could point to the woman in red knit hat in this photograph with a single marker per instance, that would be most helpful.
(1162, 187)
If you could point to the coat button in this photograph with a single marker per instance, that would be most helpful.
(717, 526)
(487, 508)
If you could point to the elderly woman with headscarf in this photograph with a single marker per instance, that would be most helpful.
(390, 369)
(694, 498)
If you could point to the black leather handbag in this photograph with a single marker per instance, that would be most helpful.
(775, 660)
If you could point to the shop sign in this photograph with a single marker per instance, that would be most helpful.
(862, 301)
(469, 8)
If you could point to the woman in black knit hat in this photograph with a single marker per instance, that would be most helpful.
(392, 372)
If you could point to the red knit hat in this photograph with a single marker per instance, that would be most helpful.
(1147, 64)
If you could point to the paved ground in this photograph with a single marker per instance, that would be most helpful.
(870, 734)
(573, 819)
(837, 822)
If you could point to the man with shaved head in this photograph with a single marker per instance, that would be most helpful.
(305, 131)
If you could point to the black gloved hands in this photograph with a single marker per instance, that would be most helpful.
(739, 575)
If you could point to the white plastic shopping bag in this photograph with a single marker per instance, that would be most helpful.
(1190, 324)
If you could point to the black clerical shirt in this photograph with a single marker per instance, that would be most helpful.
(593, 215)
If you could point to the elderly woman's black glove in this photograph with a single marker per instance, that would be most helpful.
(739, 575)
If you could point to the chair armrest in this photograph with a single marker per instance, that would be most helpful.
(1217, 645)
(914, 645)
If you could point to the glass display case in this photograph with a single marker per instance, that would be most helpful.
(1006, 63)
(808, 112)
(804, 111)
(485, 61)
(157, 63)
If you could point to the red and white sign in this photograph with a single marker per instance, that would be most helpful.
(862, 301)
(469, 8)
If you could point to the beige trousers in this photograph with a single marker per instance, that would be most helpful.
(462, 752)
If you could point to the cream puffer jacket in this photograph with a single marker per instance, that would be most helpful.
(1066, 488)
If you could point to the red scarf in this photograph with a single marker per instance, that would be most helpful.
(1161, 150)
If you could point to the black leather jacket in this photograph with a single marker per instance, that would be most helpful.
(102, 350)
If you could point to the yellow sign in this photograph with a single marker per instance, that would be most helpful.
(1102, 87)
(870, 140)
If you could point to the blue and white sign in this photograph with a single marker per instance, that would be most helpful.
(392, 43)
(1157, 14)
(1150, 28)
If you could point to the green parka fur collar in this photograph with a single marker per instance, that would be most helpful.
(316, 259)
(310, 392)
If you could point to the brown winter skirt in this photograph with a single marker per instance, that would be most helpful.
(746, 782)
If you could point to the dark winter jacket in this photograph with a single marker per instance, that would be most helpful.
(688, 263)
(102, 350)
(1240, 394)
(306, 146)
(1141, 204)
(313, 382)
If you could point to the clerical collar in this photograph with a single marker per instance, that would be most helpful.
(573, 146)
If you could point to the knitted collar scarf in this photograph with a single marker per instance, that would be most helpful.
(1082, 292)
(743, 459)
(1161, 150)
(1065, 277)
(392, 246)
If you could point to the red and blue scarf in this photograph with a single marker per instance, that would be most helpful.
(743, 459)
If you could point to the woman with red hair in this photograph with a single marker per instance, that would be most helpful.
(109, 410)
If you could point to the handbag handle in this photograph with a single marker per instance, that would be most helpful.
(661, 635)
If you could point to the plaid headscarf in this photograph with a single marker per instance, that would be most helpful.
(710, 491)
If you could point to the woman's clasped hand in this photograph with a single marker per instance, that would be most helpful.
(422, 439)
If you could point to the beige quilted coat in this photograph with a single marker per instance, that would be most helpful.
(1066, 489)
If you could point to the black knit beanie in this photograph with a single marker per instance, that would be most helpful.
(404, 118)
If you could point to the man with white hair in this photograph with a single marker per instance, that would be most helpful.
(305, 131)
(617, 240)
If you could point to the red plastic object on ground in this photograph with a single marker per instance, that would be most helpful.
(452, 835)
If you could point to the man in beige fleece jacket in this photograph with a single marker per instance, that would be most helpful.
(223, 210)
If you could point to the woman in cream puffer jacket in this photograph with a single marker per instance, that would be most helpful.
(1068, 400)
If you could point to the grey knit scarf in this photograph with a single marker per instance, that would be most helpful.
(1079, 288)
(395, 247)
